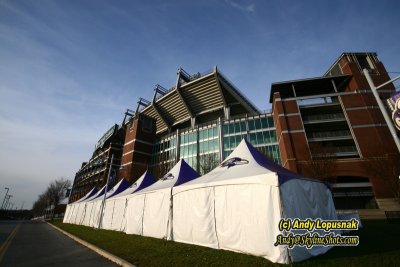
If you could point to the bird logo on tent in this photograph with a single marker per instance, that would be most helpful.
(168, 176)
(234, 161)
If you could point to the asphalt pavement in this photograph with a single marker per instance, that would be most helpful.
(35, 243)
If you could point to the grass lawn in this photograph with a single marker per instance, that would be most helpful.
(379, 246)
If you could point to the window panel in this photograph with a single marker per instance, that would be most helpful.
(251, 125)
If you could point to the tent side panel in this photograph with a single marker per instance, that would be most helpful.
(134, 214)
(88, 212)
(247, 218)
(73, 214)
(67, 214)
(118, 219)
(156, 214)
(95, 216)
(80, 213)
(307, 199)
(108, 213)
(193, 217)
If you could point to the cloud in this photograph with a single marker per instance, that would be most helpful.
(248, 8)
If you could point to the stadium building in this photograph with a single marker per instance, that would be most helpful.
(203, 117)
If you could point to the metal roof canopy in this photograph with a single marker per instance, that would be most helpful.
(194, 96)
(310, 84)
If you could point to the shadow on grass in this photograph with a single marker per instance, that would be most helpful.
(379, 246)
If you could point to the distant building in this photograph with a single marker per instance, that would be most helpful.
(337, 110)
(95, 171)
(203, 117)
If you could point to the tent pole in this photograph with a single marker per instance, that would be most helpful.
(105, 192)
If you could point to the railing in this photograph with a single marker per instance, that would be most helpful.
(186, 77)
(333, 134)
(323, 117)
(318, 101)
(162, 91)
(340, 151)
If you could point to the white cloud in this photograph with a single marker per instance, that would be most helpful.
(248, 8)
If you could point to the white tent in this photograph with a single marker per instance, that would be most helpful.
(80, 207)
(69, 212)
(149, 210)
(94, 206)
(85, 208)
(106, 218)
(239, 204)
(115, 208)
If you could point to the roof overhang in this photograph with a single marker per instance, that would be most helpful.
(308, 84)
(203, 94)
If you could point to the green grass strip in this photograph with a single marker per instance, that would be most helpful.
(379, 246)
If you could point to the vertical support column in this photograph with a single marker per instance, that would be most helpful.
(178, 144)
(220, 139)
(227, 112)
(197, 149)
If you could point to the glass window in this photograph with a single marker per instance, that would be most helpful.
(270, 122)
(257, 124)
(264, 123)
(215, 131)
(273, 136)
(253, 138)
(243, 126)
(216, 145)
(225, 129)
(238, 140)
(237, 127)
(226, 142)
(232, 142)
(267, 137)
(226, 154)
(201, 134)
(231, 128)
(260, 138)
(251, 125)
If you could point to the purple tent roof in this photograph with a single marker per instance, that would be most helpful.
(118, 188)
(186, 174)
(88, 195)
(148, 179)
(179, 174)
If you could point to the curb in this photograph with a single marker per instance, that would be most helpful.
(98, 250)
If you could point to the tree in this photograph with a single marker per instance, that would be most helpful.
(386, 168)
(322, 163)
(40, 205)
(208, 162)
(55, 191)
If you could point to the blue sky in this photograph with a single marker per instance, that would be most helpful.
(70, 69)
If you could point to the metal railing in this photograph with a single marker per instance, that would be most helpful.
(323, 117)
(332, 134)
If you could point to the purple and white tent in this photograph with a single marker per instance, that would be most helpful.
(149, 210)
(88, 208)
(238, 206)
(70, 211)
(115, 208)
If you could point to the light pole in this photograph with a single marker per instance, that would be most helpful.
(8, 199)
(381, 106)
(2, 204)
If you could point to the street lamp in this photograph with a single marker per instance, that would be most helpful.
(7, 201)
(2, 204)
(381, 106)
